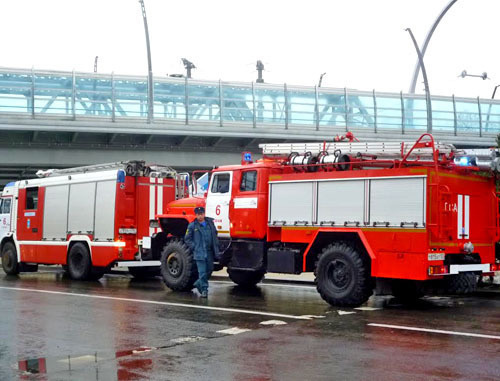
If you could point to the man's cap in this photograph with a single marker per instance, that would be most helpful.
(199, 210)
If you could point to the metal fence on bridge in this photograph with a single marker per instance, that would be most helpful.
(117, 97)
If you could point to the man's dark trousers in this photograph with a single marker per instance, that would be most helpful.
(205, 268)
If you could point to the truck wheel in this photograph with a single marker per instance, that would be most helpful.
(245, 278)
(79, 264)
(407, 291)
(9, 259)
(460, 284)
(144, 272)
(178, 268)
(343, 276)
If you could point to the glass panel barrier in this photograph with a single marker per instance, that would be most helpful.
(389, 115)
(442, 115)
(203, 101)
(170, 100)
(302, 105)
(131, 98)
(238, 103)
(269, 105)
(93, 96)
(53, 93)
(467, 116)
(490, 114)
(331, 105)
(15, 92)
(98, 95)
(361, 110)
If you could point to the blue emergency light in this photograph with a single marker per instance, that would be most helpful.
(465, 161)
(246, 157)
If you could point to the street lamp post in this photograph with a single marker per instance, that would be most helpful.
(426, 42)
(426, 83)
(494, 91)
(150, 68)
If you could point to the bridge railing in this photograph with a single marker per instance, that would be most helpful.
(118, 97)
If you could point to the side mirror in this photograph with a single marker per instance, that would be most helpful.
(205, 194)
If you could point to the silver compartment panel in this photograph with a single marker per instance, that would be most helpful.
(55, 212)
(341, 201)
(291, 202)
(397, 200)
(81, 208)
(105, 210)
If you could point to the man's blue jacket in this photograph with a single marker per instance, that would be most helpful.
(194, 239)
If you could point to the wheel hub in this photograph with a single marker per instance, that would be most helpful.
(174, 264)
(339, 275)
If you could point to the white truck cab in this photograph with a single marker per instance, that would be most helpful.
(6, 206)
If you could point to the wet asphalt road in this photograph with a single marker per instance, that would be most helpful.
(53, 328)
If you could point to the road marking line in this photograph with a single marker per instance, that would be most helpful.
(368, 308)
(345, 312)
(273, 322)
(268, 285)
(187, 339)
(402, 327)
(184, 305)
(313, 316)
(233, 331)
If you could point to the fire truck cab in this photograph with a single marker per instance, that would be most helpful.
(412, 217)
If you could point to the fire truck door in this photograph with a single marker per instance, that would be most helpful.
(29, 221)
(218, 198)
(5, 206)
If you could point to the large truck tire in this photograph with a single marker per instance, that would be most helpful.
(178, 267)
(343, 276)
(245, 278)
(460, 284)
(79, 263)
(144, 272)
(9, 259)
(407, 291)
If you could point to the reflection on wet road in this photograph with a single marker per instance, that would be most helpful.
(123, 329)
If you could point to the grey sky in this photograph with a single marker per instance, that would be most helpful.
(359, 43)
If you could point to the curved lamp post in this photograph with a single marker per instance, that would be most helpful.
(426, 42)
(426, 83)
(150, 68)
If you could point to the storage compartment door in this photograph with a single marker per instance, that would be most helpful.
(105, 210)
(81, 208)
(55, 212)
(341, 202)
(291, 203)
(397, 201)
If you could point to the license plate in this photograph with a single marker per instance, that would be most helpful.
(435, 257)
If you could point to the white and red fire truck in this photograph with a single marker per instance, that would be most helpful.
(358, 215)
(87, 219)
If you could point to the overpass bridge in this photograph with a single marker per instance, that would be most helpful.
(51, 119)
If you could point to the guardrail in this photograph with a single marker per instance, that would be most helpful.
(116, 97)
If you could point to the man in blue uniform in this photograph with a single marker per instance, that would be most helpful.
(201, 237)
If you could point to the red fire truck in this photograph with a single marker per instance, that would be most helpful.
(87, 218)
(358, 215)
